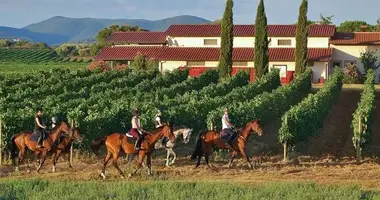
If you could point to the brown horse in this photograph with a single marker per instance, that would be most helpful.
(118, 142)
(23, 141)
(64, 146)
(208, 139)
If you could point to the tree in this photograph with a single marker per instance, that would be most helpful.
(301, 38)
(378, 25)
(326, 20)
(142, 62)
(226, 48)
(106, 32)
(354, 26)
(5, 43)
(261, 42)
(369, 60)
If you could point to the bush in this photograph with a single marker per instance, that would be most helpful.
(352, 74)
(99, 65)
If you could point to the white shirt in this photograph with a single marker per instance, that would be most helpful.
(134, 125)
(225, 121)
(158, 120)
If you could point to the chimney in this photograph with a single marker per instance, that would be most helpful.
(364, 28)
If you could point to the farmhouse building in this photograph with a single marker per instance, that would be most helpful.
(197, 47)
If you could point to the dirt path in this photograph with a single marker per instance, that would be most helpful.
(335, 138)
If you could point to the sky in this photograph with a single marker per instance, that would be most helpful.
(19, 13)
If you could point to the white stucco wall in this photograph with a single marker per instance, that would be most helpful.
(171, 65)
(316, 42)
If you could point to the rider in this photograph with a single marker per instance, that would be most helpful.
(53, 122)
(136, 130)
(228, 127)
(39, 126)
(158, 120)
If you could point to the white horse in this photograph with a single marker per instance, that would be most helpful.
(179, 130)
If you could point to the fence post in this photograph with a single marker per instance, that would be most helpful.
(285, 152)
(71, 146)
(212, 125)
(1, 142)
(358, 148)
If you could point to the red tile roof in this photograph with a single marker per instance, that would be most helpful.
(356, 38)
(213, 30)
(206, 54)
(141, 37)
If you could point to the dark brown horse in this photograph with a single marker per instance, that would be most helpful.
(64, 146)
(22, 141)
(208, 139)
(118, 142)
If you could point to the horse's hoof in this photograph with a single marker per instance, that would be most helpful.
(28, 171)
(17, 169)
(103, 175)
(70, 166)
(122, 177)
(54, 170)
(129, 175)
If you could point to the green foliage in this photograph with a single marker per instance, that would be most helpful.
(369, 60)
(142, 62)
(268, 105)
(69, 49)
(301, 38)
(352, 74)
(364, 112)
(32, 56)
(5, 43)
(355, 26)
(106, 32)
(306, 118)
(226, 48)
(261, 42)
(174, 190)
(326, 20)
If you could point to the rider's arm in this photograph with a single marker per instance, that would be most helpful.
(227, 121)
(138, 125)
(39, 123)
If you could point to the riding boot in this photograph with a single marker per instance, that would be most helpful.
(40, 141)
(138, 144)
(229, 141)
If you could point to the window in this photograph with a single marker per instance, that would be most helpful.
(239, 63)
(284, 42)
(352, 62)
(196, 63)
(210, 41)
(336, 64)
(310, 64)
(282, 70)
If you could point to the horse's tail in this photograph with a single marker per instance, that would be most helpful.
(13, 148)
(198, 146)
(97, 143)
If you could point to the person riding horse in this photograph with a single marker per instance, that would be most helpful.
(228, 131)
(39, 126)
(158, 120)
(53, 122)
(136, 129)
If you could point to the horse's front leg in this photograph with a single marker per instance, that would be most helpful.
(139, 164)
(149, 163)
(167, 156)
(55, 158)
(174, 156)
(20, 159)
(244, 155)
(43, 158)
(233, 155)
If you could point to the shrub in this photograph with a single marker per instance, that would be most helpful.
(99, 65)
(352, 74)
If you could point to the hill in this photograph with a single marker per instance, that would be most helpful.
(76, 29)
(48, 38)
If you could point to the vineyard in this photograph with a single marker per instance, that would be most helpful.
(30, 60)
(100, 103)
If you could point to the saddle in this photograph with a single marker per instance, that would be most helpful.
(35, 135)
(227, 133)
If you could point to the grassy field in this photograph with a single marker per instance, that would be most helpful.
(27, 68)
(167, 190)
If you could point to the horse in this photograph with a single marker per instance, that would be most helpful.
(118, 142)
(180, 130)
(64, 146)
(23, 140)
(208, 139)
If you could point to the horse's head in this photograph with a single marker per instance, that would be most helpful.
(64, 127)
(168, 132)
(255, 126)
(75, 134)
(186, 133)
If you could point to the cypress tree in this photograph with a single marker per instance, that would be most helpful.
(301, 38)
(226, 44)
(261, 42)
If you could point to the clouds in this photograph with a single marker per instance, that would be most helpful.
(278, 11)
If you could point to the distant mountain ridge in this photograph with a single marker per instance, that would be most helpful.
(63, 29)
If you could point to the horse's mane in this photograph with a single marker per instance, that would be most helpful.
(158, 129)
